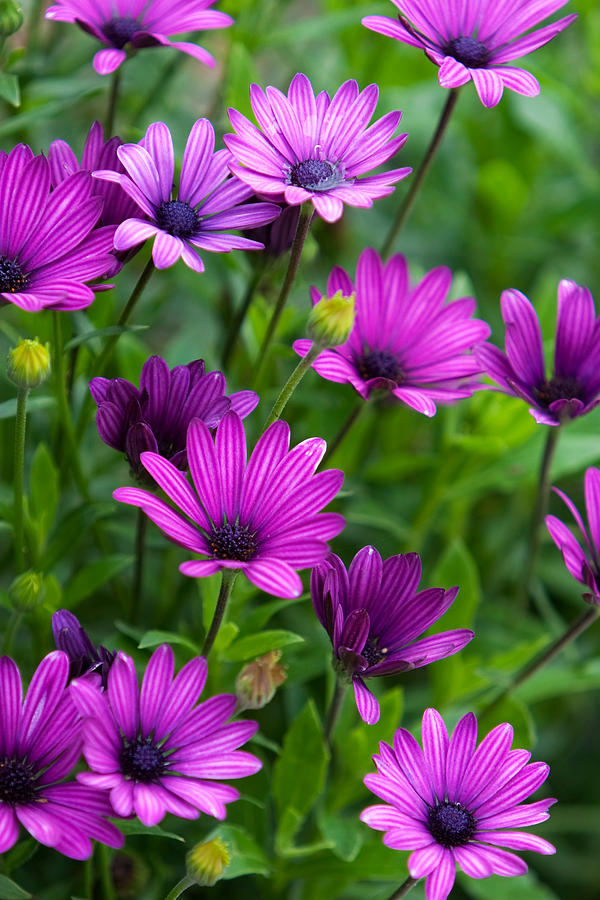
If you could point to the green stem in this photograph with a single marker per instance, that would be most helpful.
(340, 436)
(180, 887)
(36, 18)
(239, 318)
(292, 383)
(58, 363)
(20, 427)
(404, 889)
(88, 877)
(113, 97)
(106, 880)
(11, 629)
(539, 510)
(419, 176)
(227, 579)
(335, 707)
(138, 572)
(306, 214)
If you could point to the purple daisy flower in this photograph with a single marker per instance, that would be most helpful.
(261, 517)
(405, 340)
(129, 25)
(72, 639)
(40, 743)
(474, 39)
(153, 748)
(583, 564)
(156, 417)
(314, 148)
(454, 803)
(574, 388)
(373, 614)
(207, 201)
(49, 246)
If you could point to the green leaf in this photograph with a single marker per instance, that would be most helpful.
(259, 617)
(247, 858)
(345, 835)
(254, 645)
(102, 332)
(457, 567)
(227, 633)
(134, 826)
(8, 409)
(43, 488)
(9, 90)
(154, 637)
(525, 887)
(515, 712)
(92, 576)
(10, 890)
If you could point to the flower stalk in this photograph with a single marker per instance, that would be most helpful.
(20, 428)
(181, 886)
(540, 508)
(113, 98)
(141, 528)
(335, 707)
(227, 579)
(404, 888)
(60, 386)
(291, 384)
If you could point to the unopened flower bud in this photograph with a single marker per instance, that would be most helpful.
(11, 17)
(256, 684)
(29, 364)
(331, 320)
(207, 862)
(27, 591)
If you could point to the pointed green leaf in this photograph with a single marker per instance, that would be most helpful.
(154, 637)
(10, 890)
(92, 576)
(254, 645)
(247, 858)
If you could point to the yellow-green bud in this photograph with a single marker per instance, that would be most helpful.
(29, 363)
(11, 17)
(256, 684)
(331, 320)
(206, 862)
(27, 591)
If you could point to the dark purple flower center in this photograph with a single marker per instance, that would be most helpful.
(233, 542)
(314, 175)
(142, 761)
(120, 30)
(17, 784)
(178, 218)
(561, 387)
(12, 279)
(450, 824)
(379, 364)
(469, 51)
(372, 652)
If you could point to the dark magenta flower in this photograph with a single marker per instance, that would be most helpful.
(453, 802)
(40, 743)
(582, 562)
(207, 202)
(574, 387)
(474, 39)
(72, 639)
(262, 517)
(124, 26)
(316, 148)
(373, 613)
(405, 339)
(153, 748)
(156, 417)
(49, 246)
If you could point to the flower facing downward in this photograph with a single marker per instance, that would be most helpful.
(40, 743)
(405, 340)
(574, 387)
(475, 39)
(315, 148)
(124, 26)
(455, 803)
(153, 748)
(262, 517)
(582, 562)
(373, 614)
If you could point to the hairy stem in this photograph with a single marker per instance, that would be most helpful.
(335, 707)
(404, 888)
(180, 887)
(292, 383)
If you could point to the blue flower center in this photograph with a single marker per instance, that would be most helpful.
(120, 30)
(17, 784)
(450, 824)
(379, 364)
(178, 218)
(233, 542)
(314, 175)
(372, 652)
(561, 387)
(142, 761)
(12, 279)
(469, 51)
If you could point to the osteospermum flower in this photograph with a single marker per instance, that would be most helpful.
(72, 639)
(405, 340)
(315, 148)
(373, 613)
(48, 249)
(153, 748)
(582, 562)
(156, 417)
(574, 387)
(124, 26)
(208, 202)
(453, 802)
(40, 743)
(474, 39)
(262, 517)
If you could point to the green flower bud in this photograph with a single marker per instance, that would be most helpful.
(331, 320)
(256, 684)
(27, 591)
(11, 17)
(29, 364)
(206, 862)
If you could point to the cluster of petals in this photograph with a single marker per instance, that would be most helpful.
(153, 749)
(574, 387)
(261, 517)
(453, 802)
(156, 417)
(208, 200)
(407, 340)
(582, 562)
(49, 246)
(128, 25)
(316, 148)
(474, 39)
(70, 637)
(373, 613)
(40, 744)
